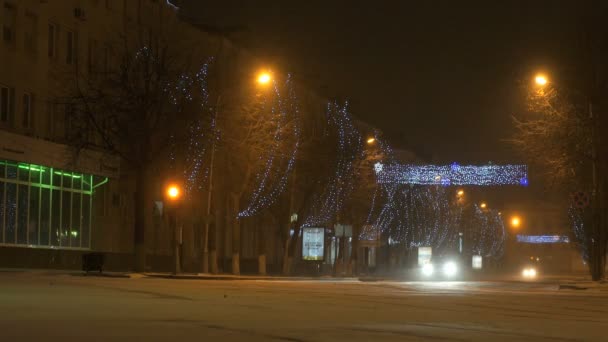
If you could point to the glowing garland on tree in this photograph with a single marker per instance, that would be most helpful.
(485, 234)
(272, 181)
(341, 183)
(414, 215)
(201, 132)
(579, 228)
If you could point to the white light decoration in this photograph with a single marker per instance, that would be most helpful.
(341, 182)
(272, 180)
(201, 133)
(580, 230)
(454, 174)
(410, 208)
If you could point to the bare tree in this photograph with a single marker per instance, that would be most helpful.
(134, 106)
(259, 141)
(559, 132)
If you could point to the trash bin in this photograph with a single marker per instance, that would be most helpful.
(92, 262)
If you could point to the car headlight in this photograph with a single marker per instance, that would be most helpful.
(428, 270)
(450, 268)
(529, 273)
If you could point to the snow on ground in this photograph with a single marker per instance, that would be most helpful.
(60, 307)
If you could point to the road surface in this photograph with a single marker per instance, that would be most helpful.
(39, 306)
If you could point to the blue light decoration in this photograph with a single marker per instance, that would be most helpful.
(411, 206)
(542, 239)
(454, 174)
(202, 131)
(486, 234)
(341, 181)
(271, 182)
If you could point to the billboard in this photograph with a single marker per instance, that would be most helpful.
(313, 244)
(424, 255)
(477, 262)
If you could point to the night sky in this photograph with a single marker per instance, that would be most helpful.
(440, 78)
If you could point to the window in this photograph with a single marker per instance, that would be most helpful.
(8, 24)
(28, 102)
(92, 53)
(52, 40)
(71, 47)
(31, 32)
(6, 103)
(43, 206)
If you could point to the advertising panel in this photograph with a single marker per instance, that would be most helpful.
(313, 244)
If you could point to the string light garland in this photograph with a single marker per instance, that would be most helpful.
(340, 184)
(201, 132)
(271, 182)
(579, 228)
(454, 174)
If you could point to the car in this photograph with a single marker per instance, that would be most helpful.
(441, 268)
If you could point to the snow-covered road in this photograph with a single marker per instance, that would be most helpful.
(59, 307)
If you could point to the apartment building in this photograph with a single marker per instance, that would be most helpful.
(57, 202)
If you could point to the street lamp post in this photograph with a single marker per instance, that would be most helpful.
(173, 195)
(263, 79)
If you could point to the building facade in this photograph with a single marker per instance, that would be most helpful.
(58, 201)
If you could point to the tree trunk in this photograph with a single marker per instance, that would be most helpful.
(213, 248)
(236, 238)
(261, 247)
(139, 218)
(286, 260)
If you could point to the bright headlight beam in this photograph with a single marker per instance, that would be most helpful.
(428, 270)
(450, 268)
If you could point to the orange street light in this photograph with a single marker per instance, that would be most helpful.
(264, 78)
(515, 222)
(173, 192)
(371, 140)
(483, 205)
(541, 80)
(460, 193)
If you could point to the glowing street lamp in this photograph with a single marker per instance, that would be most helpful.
(173, 192)
(460, 193)
(264, 78)
(541, 80)
(483, 205)
(371, 140)
(515, 222)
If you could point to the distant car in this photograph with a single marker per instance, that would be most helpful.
(529, 271)
(446, 268)
(530, 268)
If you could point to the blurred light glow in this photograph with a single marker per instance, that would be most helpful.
(428, 270)
(529, 273)
(450, 269)
(264, 78)
(371, 140)
(515, 221)
(173, 192)
(541, 80)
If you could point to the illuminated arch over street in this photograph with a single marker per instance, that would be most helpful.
(454, 174)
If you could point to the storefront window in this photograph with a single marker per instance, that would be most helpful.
(45, 207)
